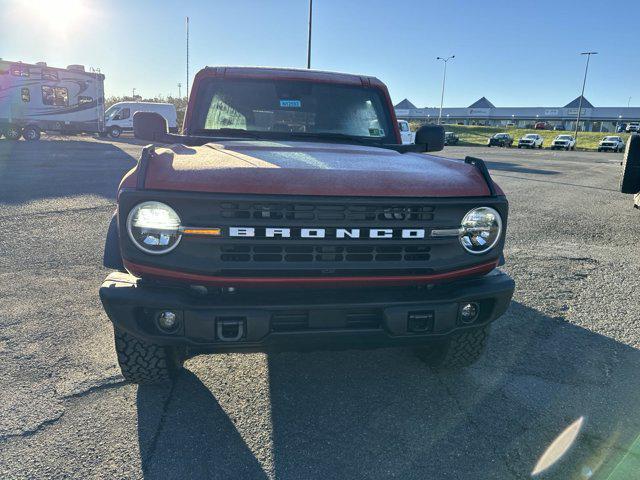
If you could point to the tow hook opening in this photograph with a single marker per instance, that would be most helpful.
(230, 329)
(420, 322)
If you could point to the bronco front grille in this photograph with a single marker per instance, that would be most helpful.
(324, 253)
(312, 212)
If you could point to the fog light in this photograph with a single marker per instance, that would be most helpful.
(469, 312)
(167, 321)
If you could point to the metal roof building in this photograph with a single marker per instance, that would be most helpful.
(483, 112)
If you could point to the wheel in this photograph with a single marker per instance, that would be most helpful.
(13, 132)
(567, 148)
(31, 133)
(573, 148)
(518, 146)
(599, 149)
(115, 132)
(540, 146)
(460, 350)
(630, 178)
(143, 362)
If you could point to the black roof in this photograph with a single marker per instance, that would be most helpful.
(405, 104)
(576, 103)
(482, 103)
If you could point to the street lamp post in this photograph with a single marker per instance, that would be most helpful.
(584, 82)
(444, 79)
(309, 40)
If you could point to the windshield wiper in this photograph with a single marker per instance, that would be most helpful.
(337, 136)
(229, 132)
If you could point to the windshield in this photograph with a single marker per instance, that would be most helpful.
(282, 108)
(563, 137)
(111, 111)
(530, 135)
(611, 139)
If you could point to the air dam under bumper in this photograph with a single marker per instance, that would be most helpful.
(303, 319)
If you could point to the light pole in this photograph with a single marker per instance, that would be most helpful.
(444, 79)
(628, 102)
(309, 40)
(133, 94)
(584, 82)
(179, 90)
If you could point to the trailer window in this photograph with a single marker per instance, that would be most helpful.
(83, 100)
(49, 75)
(56, 96)
(19, 71)
(26, 95)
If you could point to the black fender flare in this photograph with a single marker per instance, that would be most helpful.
(112, 257)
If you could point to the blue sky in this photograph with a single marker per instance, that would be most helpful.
(514, 54)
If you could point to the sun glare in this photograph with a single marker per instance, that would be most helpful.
(61, 16)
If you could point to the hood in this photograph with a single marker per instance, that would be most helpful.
(303, 168)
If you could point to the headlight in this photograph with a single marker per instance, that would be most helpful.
(154, 227)
(480, 230)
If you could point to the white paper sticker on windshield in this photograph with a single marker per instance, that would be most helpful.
(290, 103)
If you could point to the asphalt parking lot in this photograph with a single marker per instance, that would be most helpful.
(566, 350)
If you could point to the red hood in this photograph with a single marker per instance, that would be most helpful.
(300, 168)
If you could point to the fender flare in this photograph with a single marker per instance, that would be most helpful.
(112, 257)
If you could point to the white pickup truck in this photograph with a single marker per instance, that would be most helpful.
(612, 143)
(633, 127)
(405, 132)
(566, 142)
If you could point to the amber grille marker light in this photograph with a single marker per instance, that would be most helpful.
(214, 232)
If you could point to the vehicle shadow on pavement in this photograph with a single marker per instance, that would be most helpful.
(190, 435)
(31, 171)
(516, 168)
(383, 414)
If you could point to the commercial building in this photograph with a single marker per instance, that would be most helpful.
(483, 112)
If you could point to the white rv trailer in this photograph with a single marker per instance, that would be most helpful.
(36, 98)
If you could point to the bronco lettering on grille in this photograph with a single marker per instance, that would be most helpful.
(351, 233)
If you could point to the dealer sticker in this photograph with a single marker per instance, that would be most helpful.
(290, 103)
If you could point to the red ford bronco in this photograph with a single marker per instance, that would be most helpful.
(289, 215)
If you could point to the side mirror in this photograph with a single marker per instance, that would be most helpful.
(431, 136)
(150, 126)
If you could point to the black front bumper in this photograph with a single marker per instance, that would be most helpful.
(303, 319)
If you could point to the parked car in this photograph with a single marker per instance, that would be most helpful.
(405, 132)
(531, 140)
(541, 126)
(621, 128)
(566, 142)
(612, 143)
(451, 138)
(119, 117)
(559, 127)
(500, 140)
(238, 237)
(633, 127)
(511, 124)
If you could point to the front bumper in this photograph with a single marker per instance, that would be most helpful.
(302, 319)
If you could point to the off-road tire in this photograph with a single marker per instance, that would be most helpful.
(146, 363)
(460, 350)
(630, 178)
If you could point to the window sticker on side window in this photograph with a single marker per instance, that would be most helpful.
(290, 103)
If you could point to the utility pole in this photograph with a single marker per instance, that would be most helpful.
(309, 40)
(584, 82)
(187, 58)
(133, 94)
(179, 90)
(444, 79)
